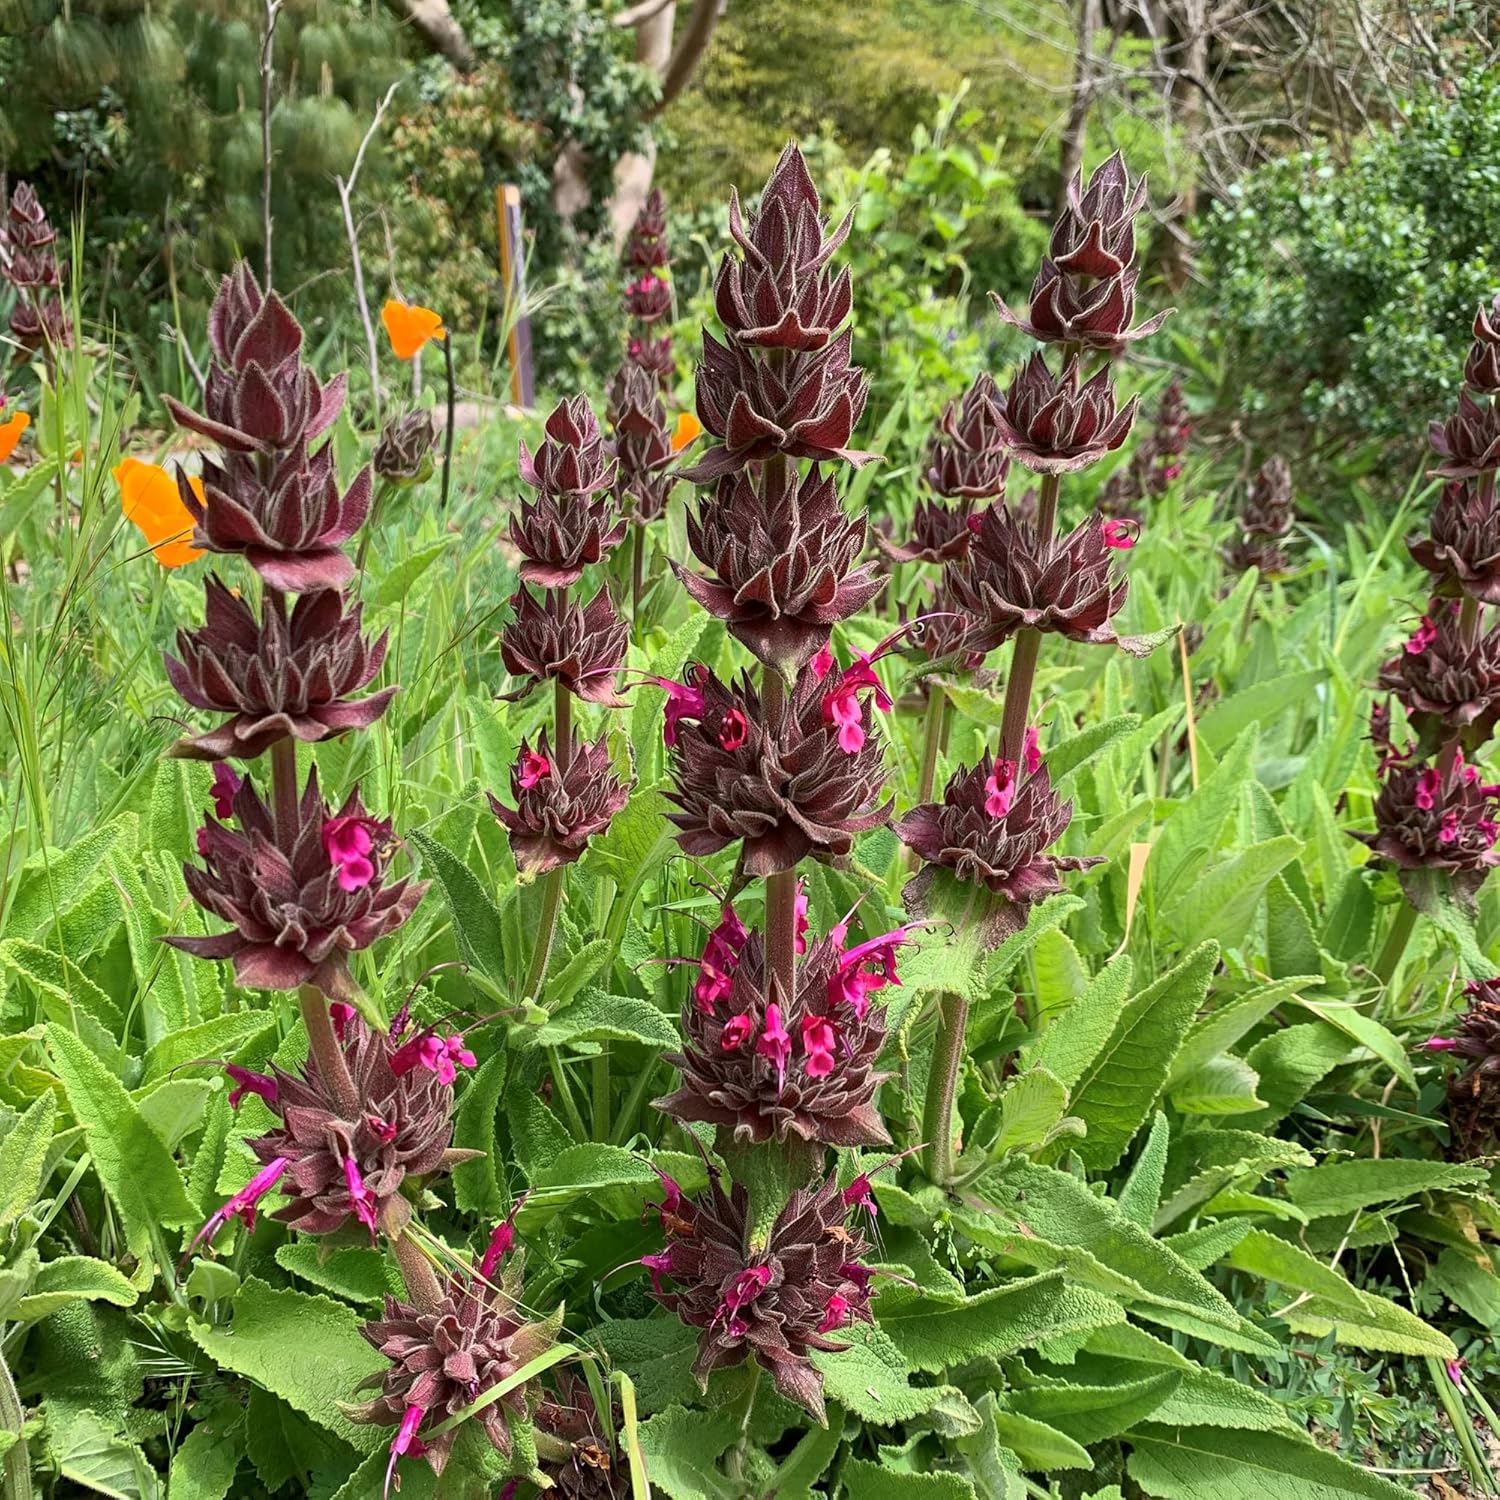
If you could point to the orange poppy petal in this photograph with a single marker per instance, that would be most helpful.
(410, 327)
(688, 427)
(10, 433)
(149, 498)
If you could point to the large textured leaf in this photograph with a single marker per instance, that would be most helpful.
(23, 1157)
(597, 1017)
(52, 880)
(1117, 1090)
(681, 1448)
(1091, 1413)
(1077, 1036)
(1214, 1463)
(1261, 701)
(1221, 903)
(1221, 1086)
(167, 1005)
(1202, 1162)
(135, 1167)
(1325, 1301)
(1468, 1285)
(476, 920)
(1222, 1028)
(931, 1334)
(1046, 1218)
(331, 1357)
(1039, 1444)
(1343, 1187)
(1191, 834)
(73, 1278)
(869, 1378)
(1288, 1064)
(876, 1482)
(226, 1037)
(1140, 1195)
(1030, 1106)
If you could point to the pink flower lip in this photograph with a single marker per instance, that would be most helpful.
(349, 844)
(1121, 534)
(535, 767)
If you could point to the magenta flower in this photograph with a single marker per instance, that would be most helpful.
(534, 767)
(246, 1082)
(225, 785)
(350, 841)
(242, 1205)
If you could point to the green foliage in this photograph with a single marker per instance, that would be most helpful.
(1345, 289)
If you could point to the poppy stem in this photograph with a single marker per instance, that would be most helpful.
(448, 430)
(323, 1046)
(942, 1085)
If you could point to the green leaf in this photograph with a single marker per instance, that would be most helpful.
(1075, 1038)
(1222, 902)
(1092, 1413)
(1473, 1287)
(225, 1038)
(598, 1017)
(809, 1460)
(560, 987)
(1327, 1302)
(331, 1356)
(1344, 1187)
(73, 1278)
(1140, 1196)
(1291, 948)
(69, 997)
(1228, 719)
(1202, 1162)
(869, 1378)
(204, 1465)
(395, 585)
(23, 1159)
(1214, 1463)
(1208, 1243)
(1221, 1086)
(1288, 1064)
(1191, 832)
(357, 1275)
(476, 919)
(1368, 1032)
(1038, 1444)
(681, 1449)
(1118, 1089)
(1075, 752)
(876, 1482)
(136, 1169)
(587, 1171)
(1221, 1029)
(52, 880)
(167, 1005)
(931, 1334)
(475, 1184)
(1031, 1105)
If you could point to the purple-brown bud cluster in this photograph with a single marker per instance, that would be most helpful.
(648, 291)
(1265, 521)
(1474, 1088)
(30, 265)
(562, 801)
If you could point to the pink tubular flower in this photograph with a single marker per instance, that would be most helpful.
(822, 662)
(774, 1044)
(818, 1042)
(736, 1032)
(340, 1013)
(225, 785)
(1455, 1368)
(406, 1436)
(1440, 1044)
(868, 966)
(502, 1241)
(1000, 788)
(841, 704)
(242, 1205)
(671, 1195)
(364, 1202)
(440, 1055)
(720, 954)
(835, 1314)
(350, 843)
(246, 1082)
(734, 729)
(535, 767)
(1031, 751)
(1421, 638)
(801, 910)
(1121, 535)
(684, 701)
(748, 1285)
(1428, 785)
(861, 1194)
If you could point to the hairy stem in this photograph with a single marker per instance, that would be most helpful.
(416, 1270)
(1017, 713)
(17, 1465)
(781, 931)
(323, 1045)
(284, 797)
(552, 884)
(562, 726)
(932, 739)
(1396, 941)
(942, 1084)
(1468, 619)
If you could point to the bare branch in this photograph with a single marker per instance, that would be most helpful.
(635, 14)
(688, 53)
(439, 29)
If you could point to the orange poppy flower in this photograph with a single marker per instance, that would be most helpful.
(688, 427)
(410, 327)
(149, 497)
(10, 433)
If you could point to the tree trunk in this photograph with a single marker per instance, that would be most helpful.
(634, 170)
(1088, 19)
(438, 28)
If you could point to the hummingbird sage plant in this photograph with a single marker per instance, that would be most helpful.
(1437, 820)
(780, 1037)
(365, 1123)
(1024, 577)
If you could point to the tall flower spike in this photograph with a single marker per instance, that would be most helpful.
(1469, 441)
(774, 1304)
(787, 789)
(571, 523)
(966, 457)
(1085, 290)
(284, 676)
(272, 497)
(559, 808)
(1426, 818)
(295, 915)
(30, 264)
(1444, 680)
(815, 1080)
(1017, 578)
(994, 827)
(443, 1359)
(783, 561)
(555, 637)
